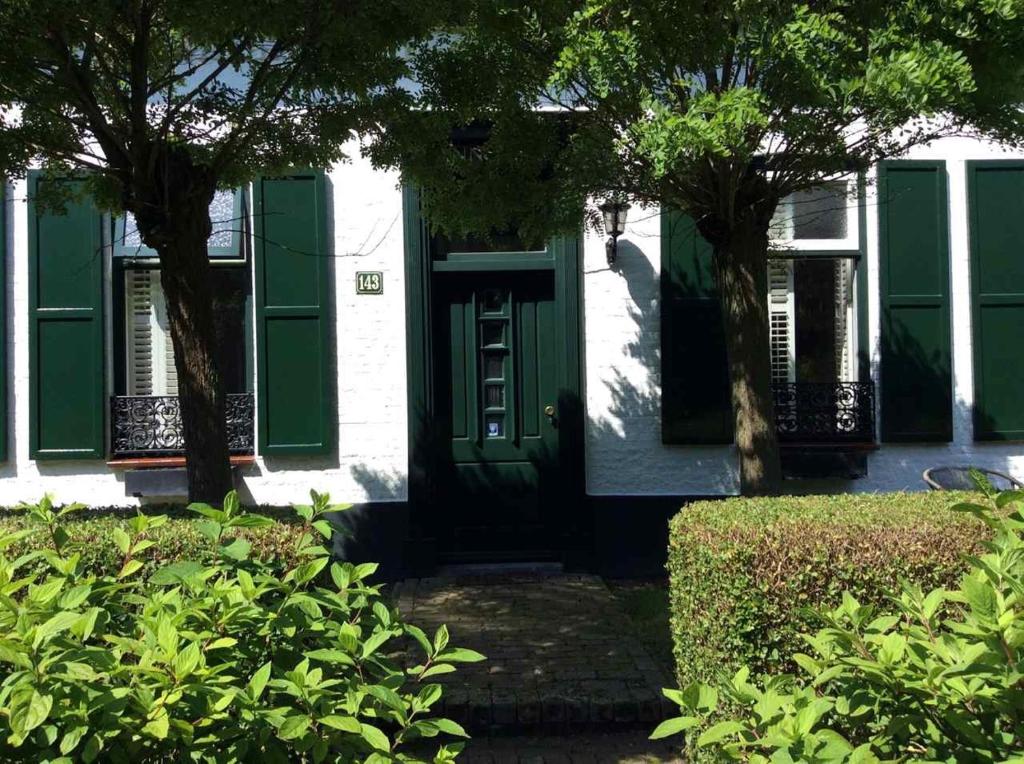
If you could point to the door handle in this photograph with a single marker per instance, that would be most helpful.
(549, 412)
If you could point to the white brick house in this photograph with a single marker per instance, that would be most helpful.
(587, 416)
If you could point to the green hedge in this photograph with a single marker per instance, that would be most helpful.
(742, 570)
(179, 539)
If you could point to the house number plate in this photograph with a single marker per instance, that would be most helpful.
(369, 282)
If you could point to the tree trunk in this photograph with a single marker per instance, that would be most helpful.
(185, 277)
(176, 222)
(741, 270)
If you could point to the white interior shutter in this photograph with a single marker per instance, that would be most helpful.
(844, 319)
(151, 369)
(781, 318)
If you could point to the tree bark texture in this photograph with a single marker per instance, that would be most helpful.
(173, 217)
(741, 271)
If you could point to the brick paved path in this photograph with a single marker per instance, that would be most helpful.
(560, 654)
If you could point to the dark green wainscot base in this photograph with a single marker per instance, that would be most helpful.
(620, 537)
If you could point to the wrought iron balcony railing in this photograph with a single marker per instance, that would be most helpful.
(828, 412)
(150, 425)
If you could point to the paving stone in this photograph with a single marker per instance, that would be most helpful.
(554, 645)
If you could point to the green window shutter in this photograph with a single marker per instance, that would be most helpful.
(67, 386)
(996, 201)
(292, 328)
(913, 232)
(696, 406)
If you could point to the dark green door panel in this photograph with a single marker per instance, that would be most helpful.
(67, 387)
(294, 391)
(996, 200)
(916, 370)
(496, 368)
(696, 407)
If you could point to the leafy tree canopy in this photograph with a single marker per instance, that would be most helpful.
(677, 100)
(241, 86)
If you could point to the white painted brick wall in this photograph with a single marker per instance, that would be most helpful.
(372, 454)
(622, 347)
(624, 450)
(625, 455)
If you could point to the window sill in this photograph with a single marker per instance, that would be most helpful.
(155, 462)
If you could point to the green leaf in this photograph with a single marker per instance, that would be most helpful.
(130, 567)
(674, 726)
(293, 727)
(259, 681)
(71, 739)
(437, 669)
(374, 641)
(158, 727)
(449, 727)
(460, 655)
(121, 540)
(167, 636)
(327, 655)
(37, 711)
(75, 596)
(421, 638)
(186, 661)
(83, 627)
(429, 695)
(56, 624)
(310, 570)
(343, 723)
(176, 573)
(375, 737)
(440, 638)
(387, 696)
(238, 549)
(718, 732)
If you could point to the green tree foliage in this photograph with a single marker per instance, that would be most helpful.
(937, 678)
(162, 101)
(719, 109)
(228, 661)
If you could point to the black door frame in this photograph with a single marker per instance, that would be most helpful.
(422, 550)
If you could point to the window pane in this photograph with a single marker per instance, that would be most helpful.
(493, 300)
(230, 290)
(819, 213)
(494, 366)
(131, 233)
(495, 426)
(493, 333)
(816, 330)
(495, 396)
(222, 215)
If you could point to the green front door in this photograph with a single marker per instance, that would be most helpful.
(496, 405)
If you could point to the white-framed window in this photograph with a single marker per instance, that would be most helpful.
(823, 218)
(812, 319)
(228, 216)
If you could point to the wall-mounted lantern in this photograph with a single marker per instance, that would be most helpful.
(614, 212)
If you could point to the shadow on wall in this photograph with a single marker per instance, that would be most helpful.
(918, 394)
(628, 433)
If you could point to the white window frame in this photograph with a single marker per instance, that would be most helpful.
(781, 234)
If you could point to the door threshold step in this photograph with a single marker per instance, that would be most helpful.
(500, 569)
